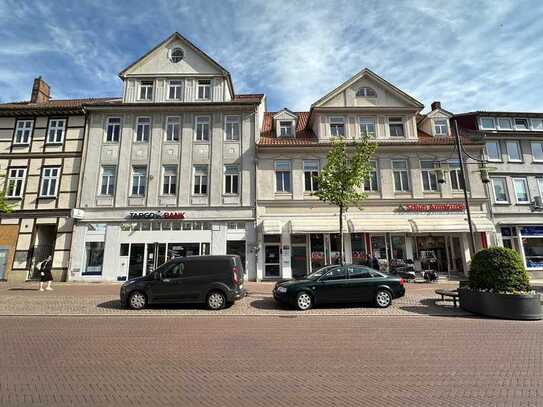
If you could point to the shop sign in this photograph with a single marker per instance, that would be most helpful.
(445, 207)
(157, 215)
(531, 231)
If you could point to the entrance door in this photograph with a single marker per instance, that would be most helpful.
(272, 259)
(298, 256)
(156, 256)
(3, 263)
(135, 268)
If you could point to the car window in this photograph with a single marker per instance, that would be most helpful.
(337, 273)
(359, 272)
(175, 271)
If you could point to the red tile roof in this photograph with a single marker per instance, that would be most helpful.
(54, 106)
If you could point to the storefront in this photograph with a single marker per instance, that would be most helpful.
(528, 241)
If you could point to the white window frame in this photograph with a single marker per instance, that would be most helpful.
(429, 174)
(171, 187)
(143, 122)
(108, 179)
(525, 182)
(521, 128)
(199, 176)
(391, 121)
(141, 181)
(206, 89)
(115, 128)
(56, 130)
(368, 183)
(16, 176)
(177, 86)
(504, 128)
(539, 126)
(540, 186)
(47, 177)
(454, 168)
(146, 89)
(513, 160)
(232, 128)
(232, 177)
(339, 123)
(540, 143)
(366, 92)
(404, 188)
(481, 121)
(366, 121)
(498, 144)
(312, 169)
(439, 127)
(493, 179)
(200, 137)
(23, 133)
(173, 122)
(277, 169)
(288, 128)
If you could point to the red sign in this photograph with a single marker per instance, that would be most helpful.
(446, 207)
(157, 215)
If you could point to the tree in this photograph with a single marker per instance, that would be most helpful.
(341, 180)
(4, 206)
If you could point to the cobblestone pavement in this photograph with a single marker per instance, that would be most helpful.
(269, 361)
(103, 299)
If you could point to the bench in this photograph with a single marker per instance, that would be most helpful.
(453, 294)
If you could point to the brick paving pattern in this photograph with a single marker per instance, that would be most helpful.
(270, 361)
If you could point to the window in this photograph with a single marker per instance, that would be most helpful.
(521, 124)
(521, 190)
(231, 128)
(440, 127)
(359, 272)
(372, 183)
(537, 151)
(457, 182)
(513, 151)
(401, 176)
(337, 273)
(493, 152)
(204, 89)
(200, 179)
(143, 129)
(337, 127)
(365, 92)
(537, 124)
(49, 182)
(231, 179)
(285, 129)
(55, 133)
(169, 180)
(94, 256)
(311, 172)
(15, 182)
(429, 178)
(172, 128)
(395, 125)
(139, 181)
(487, 123)
(282, 176)
(367, 127)
(23, 131)
(146, 90)
(540, 185)
(175, 89)
(505, 123)
(113, 129)
(108, 180)
(176, 55)
(202, 128)
(500, 190)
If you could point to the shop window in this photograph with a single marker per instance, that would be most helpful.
(187, 225)
(533, 252)
(145, 226)
(176, 225)
(358, 248)
(334, 248)
(272, 238)
(298, 239)
(125, 247)
(94, 258)
(398, 247)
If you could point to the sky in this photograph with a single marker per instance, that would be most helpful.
(470, 55)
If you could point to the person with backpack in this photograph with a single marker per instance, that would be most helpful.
(45, 274)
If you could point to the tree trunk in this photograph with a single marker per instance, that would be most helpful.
(341, 235)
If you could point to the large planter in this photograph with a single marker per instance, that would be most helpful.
(507, 306)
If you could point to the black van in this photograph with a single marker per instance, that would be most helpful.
(213, 280)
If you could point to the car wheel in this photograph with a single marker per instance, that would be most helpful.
(304, 301)
(216, 300)
(383, 298)
(137, 300)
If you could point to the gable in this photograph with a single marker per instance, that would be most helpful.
(285, 114)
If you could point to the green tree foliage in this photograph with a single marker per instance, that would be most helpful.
(4, 206)
(341, 180)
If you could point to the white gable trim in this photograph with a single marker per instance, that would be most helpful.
(285, 113)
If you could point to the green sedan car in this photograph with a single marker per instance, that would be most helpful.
(340, 284)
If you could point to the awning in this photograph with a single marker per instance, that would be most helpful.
(317, 225)
(483, 225)
(458, 224)
(359, 225)
(271, 227)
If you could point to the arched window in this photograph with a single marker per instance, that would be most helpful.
(366, 92)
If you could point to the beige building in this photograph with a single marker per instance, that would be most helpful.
(411, 209)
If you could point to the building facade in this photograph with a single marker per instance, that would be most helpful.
(409, 210)
(514, 156)
(41, 145)
(169, 168)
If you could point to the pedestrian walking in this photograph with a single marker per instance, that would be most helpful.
(45, 274)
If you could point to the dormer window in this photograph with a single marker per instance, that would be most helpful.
(337, 127)
(285, 128)
(440, 127)
(146, 90)
(204, 89)
(487, 123)
(504, 123)
(521, 124)
(366, 92)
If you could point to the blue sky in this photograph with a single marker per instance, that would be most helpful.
(470, 55)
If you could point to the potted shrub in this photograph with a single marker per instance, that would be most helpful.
(499, 287)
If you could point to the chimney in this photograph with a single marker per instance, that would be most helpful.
(436, 105)
(40, 91)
